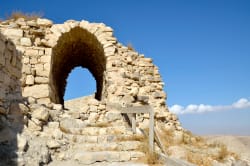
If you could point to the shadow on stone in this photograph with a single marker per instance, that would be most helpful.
(11, 117)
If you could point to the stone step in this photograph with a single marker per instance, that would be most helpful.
(113, 130)
(112, 146)
(75, 163)
(102, 138)
(82, 129)
(106, 156)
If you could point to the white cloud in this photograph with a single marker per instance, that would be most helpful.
(242, 103)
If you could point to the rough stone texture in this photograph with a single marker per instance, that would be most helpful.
(49, 52)
(37, 91)
(36, 126)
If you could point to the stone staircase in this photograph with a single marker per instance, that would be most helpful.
(82, 142)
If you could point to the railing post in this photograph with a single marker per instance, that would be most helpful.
(133, 122)
(132, 119)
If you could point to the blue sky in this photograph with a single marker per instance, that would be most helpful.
(202, 48)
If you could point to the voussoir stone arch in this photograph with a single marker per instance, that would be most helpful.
(79, 44)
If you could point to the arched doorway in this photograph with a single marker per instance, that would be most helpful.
(78, 47)
(80, 82)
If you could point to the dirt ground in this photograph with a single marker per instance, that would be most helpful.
(237, 144)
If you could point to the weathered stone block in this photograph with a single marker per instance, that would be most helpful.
(41, 80)
(13, 33)
(74, 126)
(31, 52)
(41, 113)
(44, 22)
(25, 41)
(37, 91)
(30, 80)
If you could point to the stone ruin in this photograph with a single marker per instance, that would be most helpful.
(37, 128)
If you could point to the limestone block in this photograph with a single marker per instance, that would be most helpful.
(44, 22)
(124, 156)
(33, 60)
(84, 24)
(41, 52)
(31, 52)
(33, 126)
(25, 41)
(32, 23)
(130, 145)
(26, 69)
(101, 107)
(41, 71)
(159, 94)
(37, 41)
(136, 154)
(93, 117)
(57, 134)
(52, 144)
(26, 60)
(72, 23)
(110, 49)
(93, 101)
(64, 28)
(92, 108)
(55, 30)
(45, 101)
(30, 80)
(45, 59)
(134, 91)
(47, 66)
(13, 33)
(73, 126)
(55, 114)
(84, 158)
(58, 107)
(41, 113)
(92, 157)
(112, 116)
(31, 100)
(41, 80)
(48, 51)
(37, 91)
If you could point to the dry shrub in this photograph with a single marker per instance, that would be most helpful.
(151, 158)
(130, 47)
(166, 136)
(27, 16)
(132, 138)
(198, 159)
(99, 124)
(223, 153)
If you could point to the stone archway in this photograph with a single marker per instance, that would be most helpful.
(78, 47)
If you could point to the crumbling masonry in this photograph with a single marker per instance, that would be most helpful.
(36, 57)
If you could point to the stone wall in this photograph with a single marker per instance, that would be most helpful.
(10, 73)
(50, 51)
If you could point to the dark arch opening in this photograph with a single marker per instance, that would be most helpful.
(80, 82)
(78, 47)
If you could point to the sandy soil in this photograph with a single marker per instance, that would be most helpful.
(237, 144)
